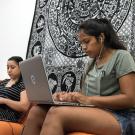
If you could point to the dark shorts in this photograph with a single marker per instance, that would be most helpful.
(124, 117)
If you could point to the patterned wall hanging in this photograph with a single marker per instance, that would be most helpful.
(53, 35)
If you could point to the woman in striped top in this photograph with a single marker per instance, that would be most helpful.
(13, 98)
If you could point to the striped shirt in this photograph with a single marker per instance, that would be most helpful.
(13, 93)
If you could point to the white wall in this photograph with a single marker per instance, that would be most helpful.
(15, 25)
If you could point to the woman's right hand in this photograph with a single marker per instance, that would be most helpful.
(61, 96)
(70, 97)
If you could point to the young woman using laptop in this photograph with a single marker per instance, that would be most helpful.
(108, 83)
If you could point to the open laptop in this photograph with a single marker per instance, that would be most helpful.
(36, 82)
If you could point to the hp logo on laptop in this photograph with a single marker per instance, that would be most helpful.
(33, 79)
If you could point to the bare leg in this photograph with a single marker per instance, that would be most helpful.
(35, 120)
(60, 120)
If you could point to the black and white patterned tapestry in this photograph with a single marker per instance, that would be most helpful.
(53, 35)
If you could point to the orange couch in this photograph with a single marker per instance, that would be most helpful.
(10, 128)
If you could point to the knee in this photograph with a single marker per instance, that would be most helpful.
(52, 112)
(36, 113)
(53, 118)
(55, 113)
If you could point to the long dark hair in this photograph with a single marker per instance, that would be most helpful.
(94, 27)
(17, 59)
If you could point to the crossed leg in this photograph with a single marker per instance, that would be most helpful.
(46, 120)
(63, 119)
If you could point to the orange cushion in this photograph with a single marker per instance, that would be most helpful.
(79, 133)
(9, 128)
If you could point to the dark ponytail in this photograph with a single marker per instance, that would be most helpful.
(94, 27)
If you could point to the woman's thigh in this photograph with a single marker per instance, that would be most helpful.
(91, 120)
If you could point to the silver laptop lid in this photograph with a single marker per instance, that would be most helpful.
(35, 80)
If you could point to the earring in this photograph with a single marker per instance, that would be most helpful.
(101, 39)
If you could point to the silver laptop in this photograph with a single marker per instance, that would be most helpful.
(36, 82)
